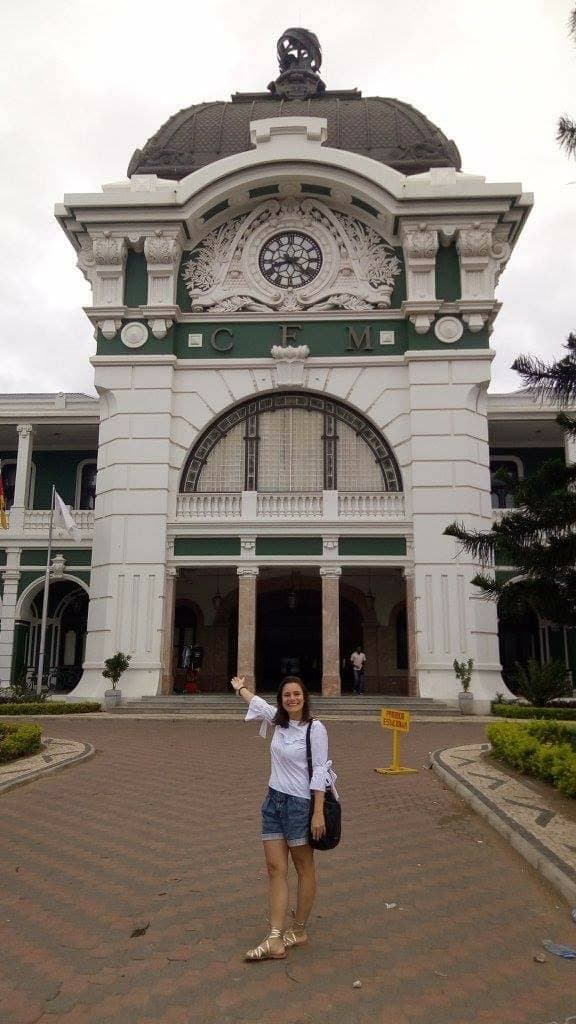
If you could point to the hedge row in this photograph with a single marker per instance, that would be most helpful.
(49, 707)
(542, 749)
(522, 711)
(18, 740)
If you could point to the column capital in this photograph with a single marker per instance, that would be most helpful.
(24, 430)
(172, 572)
(408, 572)
(331, 571)
(248, 570)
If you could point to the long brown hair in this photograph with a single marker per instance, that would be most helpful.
(282, 717)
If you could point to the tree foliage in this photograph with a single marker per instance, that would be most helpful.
(566, 132)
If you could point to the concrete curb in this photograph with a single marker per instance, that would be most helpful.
(559, 874)
(83, 752)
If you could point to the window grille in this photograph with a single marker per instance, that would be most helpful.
(290, 451)
(357, 466)
(224, 468)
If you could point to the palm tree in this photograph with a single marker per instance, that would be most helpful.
(566, 134)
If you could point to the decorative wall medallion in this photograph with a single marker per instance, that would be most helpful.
(448, 330)
(134, 335)
(291, 255)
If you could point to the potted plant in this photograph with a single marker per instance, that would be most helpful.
(113, 669)
(463, 670)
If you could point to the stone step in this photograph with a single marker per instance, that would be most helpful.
(200, 705)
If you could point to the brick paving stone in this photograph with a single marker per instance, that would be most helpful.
(162, 825)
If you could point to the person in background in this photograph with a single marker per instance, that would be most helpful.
(358, 660)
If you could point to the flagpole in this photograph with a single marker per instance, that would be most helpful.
(45, 601)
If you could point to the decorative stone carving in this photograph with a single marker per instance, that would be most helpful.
(24, 430)
(289, 363)
(162, 253)
(57, 567)
(358, 266)
(134, 335)
(474, 321)
(160, 249)
(109, 328)
(106, 272)
(248, 547)
(420, 244)
(160, 327)
(109, 251)
(422, 322)
(448, 330)
(482, 258)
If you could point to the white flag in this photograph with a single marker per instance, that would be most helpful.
(63, 519)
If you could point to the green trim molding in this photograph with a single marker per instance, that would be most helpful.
(288, 546)
(73, 556)
(372, 546)
(207, 546)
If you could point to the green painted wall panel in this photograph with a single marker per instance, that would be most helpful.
(136, 279)
(207, 546)
(372, 546)
(73, 556)
(289, 546)
(448, 284)
(59, 468)
(2, 556)
(21, 631)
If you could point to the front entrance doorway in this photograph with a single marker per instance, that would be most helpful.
(289, 636)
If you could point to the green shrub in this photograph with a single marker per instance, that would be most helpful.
(521, 711)
(18, 740)
(541, 749)
(51, 707)
(540, 683)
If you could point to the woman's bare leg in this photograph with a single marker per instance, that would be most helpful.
(303, 858)
(276, 853)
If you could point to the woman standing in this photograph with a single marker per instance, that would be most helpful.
(286, 808)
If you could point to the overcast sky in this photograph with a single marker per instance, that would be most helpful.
(85, 83)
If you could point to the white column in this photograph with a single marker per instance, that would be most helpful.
(23, 465)
(247, 581)
(11, 577)
(569, 449)
(167, 681)
(330, 575)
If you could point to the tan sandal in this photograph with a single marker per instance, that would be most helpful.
(295, 935)
(265, 951)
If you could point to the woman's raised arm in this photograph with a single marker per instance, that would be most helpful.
(237, 683)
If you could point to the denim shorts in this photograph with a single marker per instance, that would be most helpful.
(285, 817)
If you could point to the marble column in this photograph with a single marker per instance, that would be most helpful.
(247, 585)
(22, 481)
(330, 575)
(167, 679)
(569, 449)
(411, 630)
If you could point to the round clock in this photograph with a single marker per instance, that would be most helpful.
(290, 259)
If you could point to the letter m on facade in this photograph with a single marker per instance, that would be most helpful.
(355, 342)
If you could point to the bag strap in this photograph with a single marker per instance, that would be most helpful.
(309, 750)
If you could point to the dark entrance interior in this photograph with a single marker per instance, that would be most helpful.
(518, 640)
(289, 637)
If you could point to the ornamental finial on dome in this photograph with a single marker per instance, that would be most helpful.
(299, 57)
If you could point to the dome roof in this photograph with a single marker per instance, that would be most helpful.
(384, 129)
(387, 130)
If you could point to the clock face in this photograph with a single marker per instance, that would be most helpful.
(290, 259)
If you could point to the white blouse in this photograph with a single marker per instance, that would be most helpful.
(289, 772)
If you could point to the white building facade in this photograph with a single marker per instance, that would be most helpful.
(292, 363)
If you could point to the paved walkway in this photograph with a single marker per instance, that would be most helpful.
(157, 834)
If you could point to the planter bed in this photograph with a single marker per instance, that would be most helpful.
(19, 739)
(49, 707)
(543, 750)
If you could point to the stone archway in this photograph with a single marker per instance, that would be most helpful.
(65, 633)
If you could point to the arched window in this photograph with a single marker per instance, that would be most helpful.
(86, 485)
(291, 442)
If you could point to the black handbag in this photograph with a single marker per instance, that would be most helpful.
(332, 810)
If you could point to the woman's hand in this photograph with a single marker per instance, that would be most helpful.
(317, 825)
(237, 682)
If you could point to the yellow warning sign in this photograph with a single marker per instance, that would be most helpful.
(398, 721)
(390, 718)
